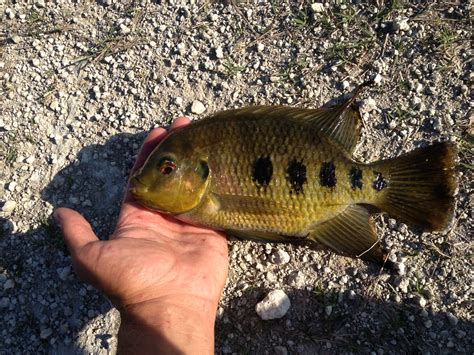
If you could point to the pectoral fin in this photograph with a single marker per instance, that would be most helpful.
(350, 233)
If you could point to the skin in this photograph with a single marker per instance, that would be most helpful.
(164, 276)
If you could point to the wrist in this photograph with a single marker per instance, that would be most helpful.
(178, 324)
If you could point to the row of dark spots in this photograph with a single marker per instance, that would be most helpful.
(262, 172)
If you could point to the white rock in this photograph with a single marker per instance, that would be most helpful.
(130, 75)
(35, 62)
(8, 206)
(197, 107)
(274, 306)
(368, 105)
(345, 85)
(378, 79)
(317, 7)
(181, 48)
(11, 186)
(401, 24)
(219, 53)
(422, 302)
(260, 47)
(10, 13)
(178, 101)
(124, 29)
(281, 257)
(109, 59)
(40, 3)
(30, 159)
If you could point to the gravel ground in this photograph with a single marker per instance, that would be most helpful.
(82, 82)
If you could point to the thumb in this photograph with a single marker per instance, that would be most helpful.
(77, 232)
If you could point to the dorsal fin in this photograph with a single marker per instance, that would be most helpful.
(341, 123)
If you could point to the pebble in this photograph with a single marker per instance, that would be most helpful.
(124, 29)
(197, 107)
(453, 320)
(260, 47)
(219, 53)
(15, 39)
(345, 85)
(35, 62)
(46, 333)
(40, 4)
(328, 310)
(274, 305)
(368, 105)
(281, 257)
(317, 7)
(422, 302)
(351, 294)
(280, 350)
(8, 206)
(63, 272)
(178, 100)
(378, 79)
(8, 284)
(11, 186)
(400, 24)
(428, 323)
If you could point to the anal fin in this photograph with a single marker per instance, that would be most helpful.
(350, 233)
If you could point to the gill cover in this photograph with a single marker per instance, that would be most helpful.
(174, 179)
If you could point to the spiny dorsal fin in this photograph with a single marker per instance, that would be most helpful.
(350, 233)
(341, 123)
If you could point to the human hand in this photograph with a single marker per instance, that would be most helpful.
(158, 271)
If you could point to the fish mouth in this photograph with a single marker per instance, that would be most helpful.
(137, 187)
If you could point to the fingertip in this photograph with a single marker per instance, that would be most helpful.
(180, 121)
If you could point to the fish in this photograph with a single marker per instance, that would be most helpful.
(287, 174)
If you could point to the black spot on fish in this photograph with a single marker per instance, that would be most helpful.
(355, 174)
(262, 171)
(296, 176)
(327, 174)
(379, 183)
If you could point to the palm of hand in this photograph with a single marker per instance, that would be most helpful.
(152, 256)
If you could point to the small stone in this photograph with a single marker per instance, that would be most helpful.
(8, 206)
(219, 53)
(46, 333)
(178, 101)
(30, 159)
(281, 257)
(40, 4)
(109, 59)
(274, 79)
(317, 7)
(124, 29)
(197, 107)
(11, 186)
(181, 48)
(54, 105)
(422, 302)
(15, 39)
(453, 320)
(130, 75)
(400, 24)
(345, 85)
(428, 323)
(35, 62)
(10, 13)
(4, 302)
(8, 284)
(274, 306)
(351, 294)
(378, 79)
(260, 47)
(63, 272)
(280, 350)
(368, 105)
(328, 310)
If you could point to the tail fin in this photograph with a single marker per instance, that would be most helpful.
(421, 186)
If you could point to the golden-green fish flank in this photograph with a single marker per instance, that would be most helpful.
(281, 173)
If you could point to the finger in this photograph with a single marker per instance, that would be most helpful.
(180, 121)
(77, 232)
(151, 141)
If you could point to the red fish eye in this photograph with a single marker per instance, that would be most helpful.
(167, 167)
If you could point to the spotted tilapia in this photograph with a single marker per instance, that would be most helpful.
(286, 174)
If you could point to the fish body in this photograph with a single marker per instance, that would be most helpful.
(282, 173)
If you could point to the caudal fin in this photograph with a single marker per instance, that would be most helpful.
(421, 186)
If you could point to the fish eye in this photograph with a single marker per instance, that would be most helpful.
(167, 166)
